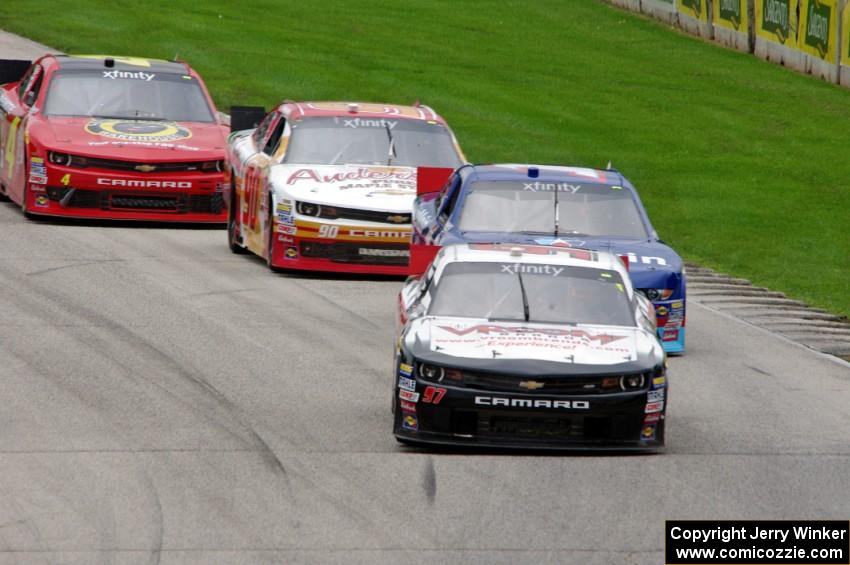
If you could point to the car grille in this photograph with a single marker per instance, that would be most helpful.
(136, 166)
(365, 253)
(494, 424)
(104, 200)
(542, 385)
(334, 213)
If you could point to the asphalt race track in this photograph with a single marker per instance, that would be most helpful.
(165, 401)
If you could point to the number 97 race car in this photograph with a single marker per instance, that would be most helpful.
(528, 346)
(110, 138)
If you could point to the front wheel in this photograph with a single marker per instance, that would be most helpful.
(233, 235)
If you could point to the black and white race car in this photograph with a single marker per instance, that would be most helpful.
(528, 346)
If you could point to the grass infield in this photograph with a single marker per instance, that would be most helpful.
(739, 161)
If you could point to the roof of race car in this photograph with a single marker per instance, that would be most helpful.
(365, 110)
(531, 254)
(98, 62)
(526, 172)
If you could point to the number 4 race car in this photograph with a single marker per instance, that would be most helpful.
(528, 346)
(329, 186)
(110, 138)
(567, 206)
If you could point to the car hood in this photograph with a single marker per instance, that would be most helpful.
(559, 349)
(131, 139)
(390, 189)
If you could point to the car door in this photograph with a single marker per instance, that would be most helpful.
(255, 216)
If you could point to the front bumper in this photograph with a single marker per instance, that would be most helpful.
(206, 206)
(296, 246)
(450, 415)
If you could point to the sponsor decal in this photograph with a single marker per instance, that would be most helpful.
(677, 305)
(487, 329)
(361, 174)
(133, 130)
(531, 403)
(648, 433)
(38, 171)
(551, 187)
(131, 183)
(290, 253)
(653, 407)
(652, 418)
(645, 259)
(285, 239)
(137, 75)
(410, 422)
(409, 396)
(379, 233)
(433, 394)
(529, 269)
(407, 384)
(288, 230)
(144, 144)
(818, 18)
(659, 382)
(363, 123)
(405, 369)
(41, 201)
(655, 395)
(284, 207)
(661, 310)
(670, 334)
(560, 242)
(407, 406)
(384, 252)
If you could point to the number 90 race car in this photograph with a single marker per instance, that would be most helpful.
(329, 186)
(528, 346)
(548, 205)
(110, 138)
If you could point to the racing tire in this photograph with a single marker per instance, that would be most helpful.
(232, 228)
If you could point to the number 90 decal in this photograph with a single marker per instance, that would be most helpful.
(329, 232)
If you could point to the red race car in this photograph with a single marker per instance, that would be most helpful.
(111, 138)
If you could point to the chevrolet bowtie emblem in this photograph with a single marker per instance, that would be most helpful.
(530, 385)
(396, 219)
(145, 168)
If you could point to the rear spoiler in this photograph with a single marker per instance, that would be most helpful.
(12, 70)
(431, 179)
(246, 117)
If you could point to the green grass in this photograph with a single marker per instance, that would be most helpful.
(740, 163)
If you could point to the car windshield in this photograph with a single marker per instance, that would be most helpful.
(554, 294)
(379, 141)
(126, 94)
(552, 208)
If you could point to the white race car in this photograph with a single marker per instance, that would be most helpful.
(329, 186)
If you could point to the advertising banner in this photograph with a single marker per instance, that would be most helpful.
(818, 33)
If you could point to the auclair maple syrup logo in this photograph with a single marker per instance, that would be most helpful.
(132, 130)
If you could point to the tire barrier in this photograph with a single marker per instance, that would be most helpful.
(810, 36)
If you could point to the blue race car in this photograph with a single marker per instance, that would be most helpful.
(548, 205)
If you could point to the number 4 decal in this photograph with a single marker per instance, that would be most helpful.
(66, 180)
(433, 395)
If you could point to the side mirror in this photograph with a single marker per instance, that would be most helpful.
(246, 117)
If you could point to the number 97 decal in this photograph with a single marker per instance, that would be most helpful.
(433, 394)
